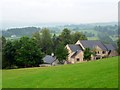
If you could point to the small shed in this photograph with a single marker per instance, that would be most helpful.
(51, 60)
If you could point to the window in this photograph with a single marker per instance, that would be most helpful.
(103, 52)
(98, 52)
(78, 59)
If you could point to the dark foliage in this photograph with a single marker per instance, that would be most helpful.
(27, 31)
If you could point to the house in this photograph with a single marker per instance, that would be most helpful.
(75, 53)
(77, 56)
(50, 60)
(96, 46)
(100, 50)
(111, 50)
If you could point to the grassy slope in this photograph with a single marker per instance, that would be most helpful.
(0, 70)
(0, 79)
(94, 74)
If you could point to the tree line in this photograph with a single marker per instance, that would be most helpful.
(109, 29)
(29, 51)
(20, 31)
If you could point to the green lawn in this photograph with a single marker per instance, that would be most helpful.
(0, 79)
(94, 74)
(0, 70)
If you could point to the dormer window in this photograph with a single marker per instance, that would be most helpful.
(78, 59)
(103, 52)
(98, 52)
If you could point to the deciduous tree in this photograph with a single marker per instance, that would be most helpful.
(78, 36)
(61, 53)
(118, 43)
(28, 54)
(87, 54)
(65, 36)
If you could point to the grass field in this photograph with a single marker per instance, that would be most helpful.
(90, 31)
(0, 79)
(0, 70)
(93, 38)
(94, 74)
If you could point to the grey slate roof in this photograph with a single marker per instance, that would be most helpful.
(92, 44)
(110, 47)
(74, 48)
(49, 59)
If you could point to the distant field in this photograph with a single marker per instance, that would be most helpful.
(94, 74)
(89, 38)
(114, 38)
(90, 31)
(96, 33)
(93, 38)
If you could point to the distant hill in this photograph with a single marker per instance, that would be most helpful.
(88, 26)
(27, 31)
(105, 24)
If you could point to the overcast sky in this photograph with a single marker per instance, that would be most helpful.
(58, 11)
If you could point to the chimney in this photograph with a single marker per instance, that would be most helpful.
(52, 54)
